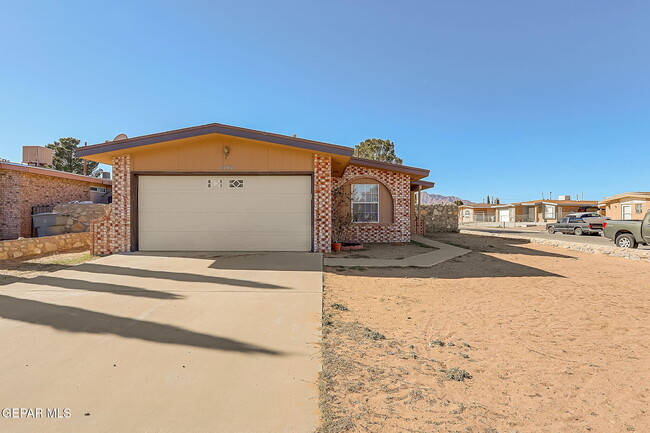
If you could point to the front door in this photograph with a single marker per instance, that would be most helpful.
(626, 210)
(504, 215)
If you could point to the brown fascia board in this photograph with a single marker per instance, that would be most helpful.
(420, 185)
(54, 173)
(418, 172)
(214, 128)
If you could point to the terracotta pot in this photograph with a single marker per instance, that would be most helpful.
(336, 247)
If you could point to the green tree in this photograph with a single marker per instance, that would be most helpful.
(64, 158)
(378, 150)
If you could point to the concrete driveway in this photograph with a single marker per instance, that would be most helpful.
(203, 342)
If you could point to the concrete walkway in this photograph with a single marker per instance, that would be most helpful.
(199, 342)
(443, 253)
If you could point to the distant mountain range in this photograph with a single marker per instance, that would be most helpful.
(426, 198)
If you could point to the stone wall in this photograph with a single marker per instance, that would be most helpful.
(46, 244)
(81, 214)
(19, 191)
(399, 185)
(112, 233)
(439, 217)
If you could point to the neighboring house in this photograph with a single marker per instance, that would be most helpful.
(476, 213)
(538, 211)
(218, 187)
(23, 186)
(626, 206)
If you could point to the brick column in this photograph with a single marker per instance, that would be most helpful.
(112, 233)
(322, 203)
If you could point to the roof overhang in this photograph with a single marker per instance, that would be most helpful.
(53, 173)
(632, 195)
(213, 128)
(414, 172)
(421, 185)
(341, 155)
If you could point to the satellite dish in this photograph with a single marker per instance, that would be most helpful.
(120, 137)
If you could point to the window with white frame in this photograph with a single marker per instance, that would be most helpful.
(98, 189)
(365, 203)
(549, 212)
(638, 208)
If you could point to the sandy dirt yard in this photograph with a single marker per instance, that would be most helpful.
(513, 337)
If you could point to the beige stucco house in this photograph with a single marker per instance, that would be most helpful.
(218, 187)
(626, 206)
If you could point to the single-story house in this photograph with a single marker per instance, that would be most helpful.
(23, 186)
(476, 213)
(537, 211)
(224, 188)
(626, 206)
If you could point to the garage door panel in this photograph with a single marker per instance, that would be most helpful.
(260, 184)
(203, 213)
(223, 222)
(200, 202)
(228, 241)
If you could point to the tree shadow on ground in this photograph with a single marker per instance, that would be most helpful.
(490, 244)
(173, 276)
(93, 286)
(471, 265)
(72, 319)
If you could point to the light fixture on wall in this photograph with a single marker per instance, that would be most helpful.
(226, 151)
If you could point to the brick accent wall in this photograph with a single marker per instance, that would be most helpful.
(112, 233)
(19, 191)
(399, 185)
(322, 203)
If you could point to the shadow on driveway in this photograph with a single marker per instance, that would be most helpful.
(173, 276)
(92, 286)
(72, 319)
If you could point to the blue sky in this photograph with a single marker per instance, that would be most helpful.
(507, 98)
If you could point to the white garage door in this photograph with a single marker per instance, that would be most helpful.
(504, 215)
(224, 213)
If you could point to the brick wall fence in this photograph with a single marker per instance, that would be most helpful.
(81, 215)
(439, 217)
(46, 244)
(399, 186)
(112, 233)
(19, 191)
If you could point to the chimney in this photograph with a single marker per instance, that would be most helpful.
(37, 156)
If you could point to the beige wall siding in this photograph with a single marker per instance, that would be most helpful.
(614, 209)
(208, 154)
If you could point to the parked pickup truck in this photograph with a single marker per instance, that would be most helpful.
(628, 233)
(579, 223)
